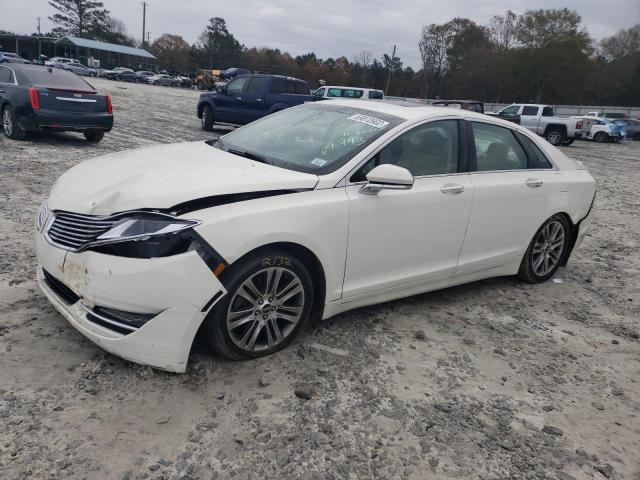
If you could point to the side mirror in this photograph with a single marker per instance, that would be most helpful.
(387, 176)
(222, 89)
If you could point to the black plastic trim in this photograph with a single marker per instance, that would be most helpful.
(207, 305)
(67, 295)
(217, 200)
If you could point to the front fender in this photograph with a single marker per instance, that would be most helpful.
(205, 101)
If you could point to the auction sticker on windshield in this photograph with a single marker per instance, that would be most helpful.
(373, 121)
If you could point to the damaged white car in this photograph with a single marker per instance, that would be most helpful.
(314, 210)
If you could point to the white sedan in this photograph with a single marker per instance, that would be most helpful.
(315, 210)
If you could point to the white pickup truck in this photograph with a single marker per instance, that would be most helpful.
(540, 119)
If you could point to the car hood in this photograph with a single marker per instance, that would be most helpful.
(163, 176)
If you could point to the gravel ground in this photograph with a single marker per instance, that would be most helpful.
(493, 380)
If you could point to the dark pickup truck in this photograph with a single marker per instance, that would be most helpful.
(249, 97)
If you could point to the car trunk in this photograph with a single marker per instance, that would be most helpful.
(72, 101)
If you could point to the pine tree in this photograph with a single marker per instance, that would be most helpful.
(82, 18)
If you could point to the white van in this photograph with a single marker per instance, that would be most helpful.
(349, 92)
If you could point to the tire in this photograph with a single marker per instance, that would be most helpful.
(555, 136)
(547, 250)
(600, 137)
(93, 137)
(567, 142)
(155, 82)
(206, 122)
(10, 124)
(254, 287)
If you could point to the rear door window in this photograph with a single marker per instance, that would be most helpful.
(302, 88)
(536, 159)
(497, 148)
(547, 112)
(334, 92)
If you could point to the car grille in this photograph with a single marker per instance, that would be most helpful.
(73, 231)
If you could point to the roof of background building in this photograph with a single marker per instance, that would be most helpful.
(109, 47)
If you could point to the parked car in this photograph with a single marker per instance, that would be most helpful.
(38, 98)
(163, 79)
(7, 57)
(137, 77)
(80, 69)
(231, 73)
(60, 62)
(600, 129)
(348, 92)
(113, 74)
(633, 129)
(540, 119)
(611, 115)
(315, 210)
(472, 105)
(249, 97)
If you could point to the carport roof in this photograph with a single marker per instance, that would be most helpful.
(108, 47)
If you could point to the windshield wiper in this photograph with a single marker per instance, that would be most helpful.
(250, 155)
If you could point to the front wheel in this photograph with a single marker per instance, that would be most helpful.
(555, 136)
(206, 122)
(546, 251)
(600, 137)
(269, 299)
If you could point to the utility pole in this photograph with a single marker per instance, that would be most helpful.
(393, 56)
(39, 41)
(144, 20)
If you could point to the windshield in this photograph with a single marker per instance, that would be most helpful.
(309, 138)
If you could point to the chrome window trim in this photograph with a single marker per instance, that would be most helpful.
(345, 180)
(13, 72)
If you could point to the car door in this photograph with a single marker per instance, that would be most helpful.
(516, 190)
(399, 237)
(253, 104)
(530, 117)
(7, 84)
(228, 102)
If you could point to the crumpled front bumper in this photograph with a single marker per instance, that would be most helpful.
(177, 289)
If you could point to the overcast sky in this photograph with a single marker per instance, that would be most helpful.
(329, 28)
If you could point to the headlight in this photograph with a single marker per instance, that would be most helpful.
(147, 237)
(143, 228)
(42, 216)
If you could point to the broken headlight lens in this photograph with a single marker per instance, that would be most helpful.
(147, 237)
(144, 228)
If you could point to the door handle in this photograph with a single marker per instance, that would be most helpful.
(258, 99)
(238, 98)
(533, 182)
(1, 90)
(452, 188)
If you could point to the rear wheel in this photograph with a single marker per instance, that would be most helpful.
(207, 118)
(555, 136)
(10, 125)
(546, 251)
(269, 299)
(600, 137)
(93, 137)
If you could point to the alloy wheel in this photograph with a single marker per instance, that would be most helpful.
(7, 124)
(265, 309)
(554, 137)
(548, 248)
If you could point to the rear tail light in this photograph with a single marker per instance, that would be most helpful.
(579, 125)
(34, 98)
(109, 106)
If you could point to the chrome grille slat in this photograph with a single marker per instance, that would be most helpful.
(74, 231)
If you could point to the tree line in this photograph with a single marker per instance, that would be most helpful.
(543, 55)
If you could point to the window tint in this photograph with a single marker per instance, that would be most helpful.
(302, 88)
(512, 110)
(476, 107)
(56, 78)
(319, 92)
(375, 95)
(352, 93)
(430, 149)
(529, 110)
(256, 85)
(497, 148)
(537, 159)
(6, 75)
(279, 85)
(334, 92)
(547, 112)
(235, 87)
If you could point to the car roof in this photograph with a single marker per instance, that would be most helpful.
(456, 101)
(341, 86)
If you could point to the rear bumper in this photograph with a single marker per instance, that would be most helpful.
(66, 121)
